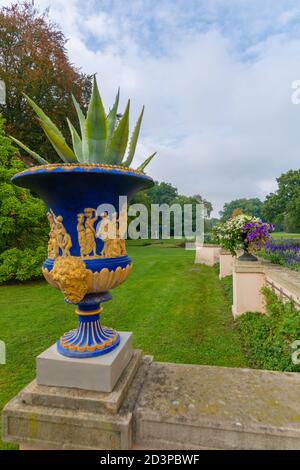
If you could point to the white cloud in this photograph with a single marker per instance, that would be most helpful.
(218, 107)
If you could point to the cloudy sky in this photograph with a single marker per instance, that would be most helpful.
(215, 77)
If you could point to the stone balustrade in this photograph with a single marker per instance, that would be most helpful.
(284, 282)
(250, 277)
(158, 405)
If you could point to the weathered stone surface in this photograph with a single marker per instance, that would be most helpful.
(190, 406)
(166, 406)
(95, 373)
(59, 418)
(65, 429)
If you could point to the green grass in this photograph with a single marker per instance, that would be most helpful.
(158, 243)
(285, 235)
(178, 311)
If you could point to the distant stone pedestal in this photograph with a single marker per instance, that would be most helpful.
(226, 264)
(248, 280)
(207, 254)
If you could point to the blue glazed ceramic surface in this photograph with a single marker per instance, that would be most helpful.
(68, 190)
(71, 192)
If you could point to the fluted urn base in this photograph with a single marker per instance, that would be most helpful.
(90, 338)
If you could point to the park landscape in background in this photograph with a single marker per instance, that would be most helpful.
(92, 236)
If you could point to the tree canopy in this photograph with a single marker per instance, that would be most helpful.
(166, 193)
(283, 206)
(162, 193)
(33, 60)
(252, 206)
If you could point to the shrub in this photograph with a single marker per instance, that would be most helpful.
(267, 338)
(21, 265)
(208, 238)
(23, 223)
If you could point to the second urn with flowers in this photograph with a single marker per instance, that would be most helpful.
(243, 232)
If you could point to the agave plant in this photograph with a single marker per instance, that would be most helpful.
(102, 139)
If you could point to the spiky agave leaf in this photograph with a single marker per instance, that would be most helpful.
(43, 117)
(59, 145)
(117, 146)
(81, 119)
(33, 154)
(146, 162)
(76, 140)
(111, 118)
(96, 126)
(133, 140)
(100, 142)
(52, 132)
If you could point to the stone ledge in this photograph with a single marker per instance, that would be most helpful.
(190, 406)
(248, 266)
(172, 406)
(44, 417)
(41, 426)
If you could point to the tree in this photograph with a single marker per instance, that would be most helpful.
(252, 206)
(162, 193)
(208, 205)
(23, 222)
(210, 223)
(283, 206)
(33, 60)
(191, 200)
(237, 211)
(166, 193)
(141, 198)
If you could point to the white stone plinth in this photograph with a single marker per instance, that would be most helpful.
(96, 373)
(207, 254)
(248, 279)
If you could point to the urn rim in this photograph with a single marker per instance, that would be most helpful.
(67, 168)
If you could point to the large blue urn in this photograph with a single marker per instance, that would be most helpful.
(86, 250)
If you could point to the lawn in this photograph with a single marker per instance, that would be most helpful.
(285, 235)
(178, 312)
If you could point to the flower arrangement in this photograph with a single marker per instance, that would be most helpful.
(257, 233)
(242, 232)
